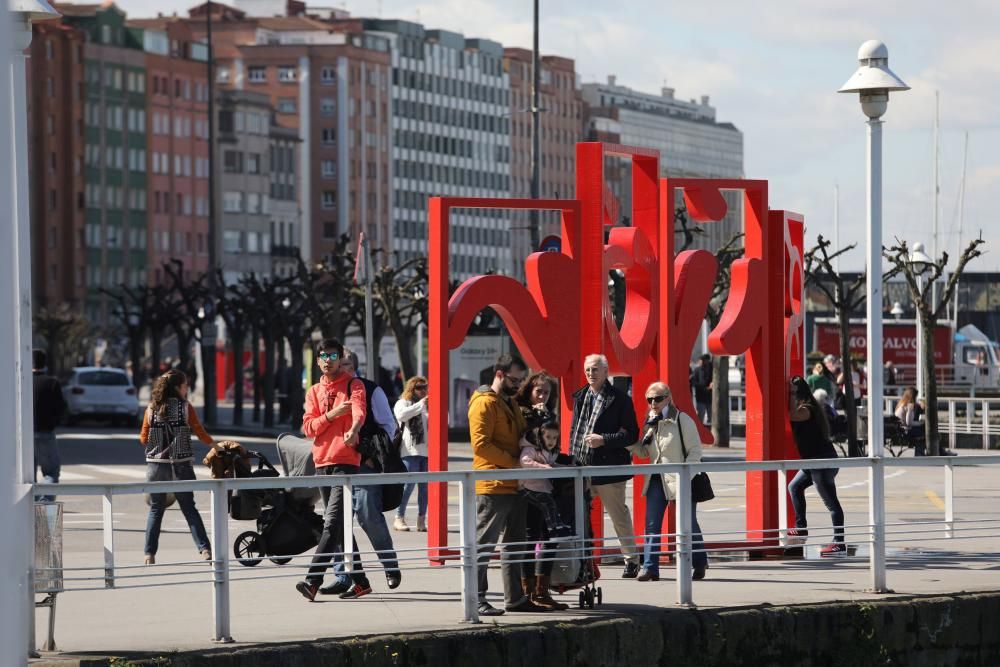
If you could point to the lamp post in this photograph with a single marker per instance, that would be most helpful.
(17, 636)
(873, 81)
(921, 264)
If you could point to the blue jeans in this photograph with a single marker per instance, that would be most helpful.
(414, 464)
(656, 507)
(165, 472)
(826, 487)
(46, 458)
(368, 509)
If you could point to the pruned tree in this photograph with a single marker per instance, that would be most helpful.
(928, 313)
(186, 297)
(266, 298)
(845, 297)
(236, 310)
(63, 330)
(133, 314)
(401, 293)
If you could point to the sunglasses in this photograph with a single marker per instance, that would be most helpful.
(420, 387)
(328, 356)
(656, 399)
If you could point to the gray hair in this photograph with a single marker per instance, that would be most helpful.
(658, 386)
(351, 357)
(599, 359)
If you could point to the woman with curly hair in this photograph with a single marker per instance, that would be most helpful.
(411, 413)
(537, 400)
(166, 432)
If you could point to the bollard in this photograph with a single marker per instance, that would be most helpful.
(470, 550)
(782, 477)
(220, 562)
(949, 499)
(876, 517)
(109, 539)
(348, 549)
(951, 425)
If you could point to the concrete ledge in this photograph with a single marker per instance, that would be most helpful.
(936, 631)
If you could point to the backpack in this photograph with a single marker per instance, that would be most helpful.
(375, 445)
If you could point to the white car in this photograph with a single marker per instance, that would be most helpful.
(101, 393)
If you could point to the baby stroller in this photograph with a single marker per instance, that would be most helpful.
(576, 565)
(287, 522)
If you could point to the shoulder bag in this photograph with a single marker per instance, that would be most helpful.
(701, 485)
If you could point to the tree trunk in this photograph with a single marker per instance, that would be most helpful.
(269, 348)
(404, 344)
(720, 401)
(295, 396)
(928, 324)
(255, 370)
(155, 343)
(850, 408)
(135, 355)
(237, 338)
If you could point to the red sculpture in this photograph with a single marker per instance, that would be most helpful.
(564, 312)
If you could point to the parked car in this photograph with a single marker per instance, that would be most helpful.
(101, 393)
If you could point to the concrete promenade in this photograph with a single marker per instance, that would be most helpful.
(266, 608)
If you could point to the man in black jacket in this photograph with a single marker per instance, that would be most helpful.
(50, 406)
(604, 424)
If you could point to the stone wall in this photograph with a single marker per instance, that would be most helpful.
(940, 631)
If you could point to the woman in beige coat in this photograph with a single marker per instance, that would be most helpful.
(662, 443)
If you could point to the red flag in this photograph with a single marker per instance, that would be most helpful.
(357, 257)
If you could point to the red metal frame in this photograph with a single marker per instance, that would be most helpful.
(665, 305)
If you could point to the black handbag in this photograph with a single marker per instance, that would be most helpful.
(701, 485)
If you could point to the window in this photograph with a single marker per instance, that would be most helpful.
(286, 74)
(105, 34)
(253, 203)
(286, 105)
(329, 199)
(328, 135)
(253, 242)
(233, 162)
(327, 107)
(257, 74)
(329, 230)
(328, 75)
(328, 168)
(232, 202)
(232, 241)
(253, 163)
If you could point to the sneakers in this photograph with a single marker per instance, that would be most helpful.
(648, 575)
(486, 609)
(698, 573)
(150, 559)
(797, 536)
(308, 589)
(421, 524)
(206, 554)
(356, 591)
(393, 578)
(631, 571)
(527, 606)
(400, 524)
(833, 550)
(562, 534)
(337, 587)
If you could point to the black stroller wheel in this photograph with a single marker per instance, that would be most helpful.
(590, 598)
(583, 599)
(281, 561)
(249, 548)
(600, 595)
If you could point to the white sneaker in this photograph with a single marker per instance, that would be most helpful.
(400, 524)
(421, 524)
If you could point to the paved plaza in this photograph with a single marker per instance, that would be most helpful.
(266, 608)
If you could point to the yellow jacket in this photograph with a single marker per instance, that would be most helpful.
(496, 428)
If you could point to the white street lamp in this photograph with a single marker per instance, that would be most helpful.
(17, 608)
(873, 81)
(897, 310)
(921, 264)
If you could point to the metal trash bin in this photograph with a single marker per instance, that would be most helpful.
(48, 572)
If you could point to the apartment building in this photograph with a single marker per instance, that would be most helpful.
(561, 124)
(56, 151)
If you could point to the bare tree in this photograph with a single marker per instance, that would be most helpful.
(237, 312)
(132, 312)
(63, 330)
(401, 293)
(845, 299)
(928, 312)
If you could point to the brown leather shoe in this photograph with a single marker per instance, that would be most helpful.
(527, 606)
(541, 596)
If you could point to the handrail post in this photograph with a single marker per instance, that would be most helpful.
(682, 505)
(579, 511)
(782, 477)
(108, 533)
(986, 426)
(470, 550)
(348, 501)
(876, 516)
(949, 499)
(220, 562)
(951, 425)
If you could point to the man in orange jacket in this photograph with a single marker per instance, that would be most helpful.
(334, 413)
(496, 427)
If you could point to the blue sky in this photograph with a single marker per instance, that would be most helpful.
(772, 69)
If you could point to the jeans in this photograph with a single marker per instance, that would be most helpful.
(414, 464)
(827, 490)
(368, 509)
(165, 472)
(656, 507)
(496, 514)
(46, 458)
(546, 504)
(704, 409)
(332, 539)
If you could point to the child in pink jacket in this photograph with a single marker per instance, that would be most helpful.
(538, 492)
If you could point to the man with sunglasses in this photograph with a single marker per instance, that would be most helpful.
(334, 413)
(604, 425)
(496, 427)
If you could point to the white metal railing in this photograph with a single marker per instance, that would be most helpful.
(873, 533)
